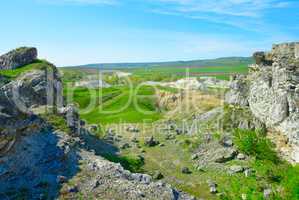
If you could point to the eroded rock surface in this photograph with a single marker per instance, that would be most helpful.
(18, 57)
(272, 91)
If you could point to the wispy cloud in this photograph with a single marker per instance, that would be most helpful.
(243, 8)
(248, 15)
(81, 2)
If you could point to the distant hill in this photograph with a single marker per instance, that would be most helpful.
(227, 61)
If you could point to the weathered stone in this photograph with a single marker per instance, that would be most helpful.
(267, 193)
(73, 189)
(226, 141)
(143, 178)
(238, 93)
(133, 129)
(248, 172)
(93, 128)
(125, 146)
(241, 156)
(158, 175)
(170, 137)
(18, 57)
(226, 156)
(186, 170)
(151, 142)
(135, 140)
(194, 156)
(236, 169)
(213, 186)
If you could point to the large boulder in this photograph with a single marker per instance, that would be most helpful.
(18, 57)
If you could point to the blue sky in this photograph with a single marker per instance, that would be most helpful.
(71, 32)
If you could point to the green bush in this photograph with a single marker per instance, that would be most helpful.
(133, 164)
(255, 143)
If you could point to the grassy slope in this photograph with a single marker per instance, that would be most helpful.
(12, 74)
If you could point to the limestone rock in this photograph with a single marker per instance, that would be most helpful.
(267, 193)
(213, 186)
(158, 175)
(269, 91)
(186, 170)
(226, 156)
(241, 156)
(18, 57)
(238, 93)
(236, 169)
(151, 142)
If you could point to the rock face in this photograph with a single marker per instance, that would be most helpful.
(32, 89)
(239, 91)
(272, 91)
(18, 57)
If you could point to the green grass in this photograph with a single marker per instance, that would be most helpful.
(168, 89)
(165, 73)
(14, 73)
(116, 104)
(133, 164)
(174, 73)
(271, 171)
(254, 143)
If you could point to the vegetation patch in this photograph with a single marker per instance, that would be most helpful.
(254, 143)
(116, 104)
(14, 73)
(133, 164)
(56, 121)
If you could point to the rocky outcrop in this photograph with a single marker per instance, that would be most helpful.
(107, 180)
(18, 57)
(32, 89)
(238, 93)
(272, 91)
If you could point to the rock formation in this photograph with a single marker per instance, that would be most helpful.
(271, 90)
(18, 57)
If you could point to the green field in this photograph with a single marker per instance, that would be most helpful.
(117, 104)
(167, 73)
(114, 100)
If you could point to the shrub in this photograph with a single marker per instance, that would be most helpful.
(256, 144)
(133, 164)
